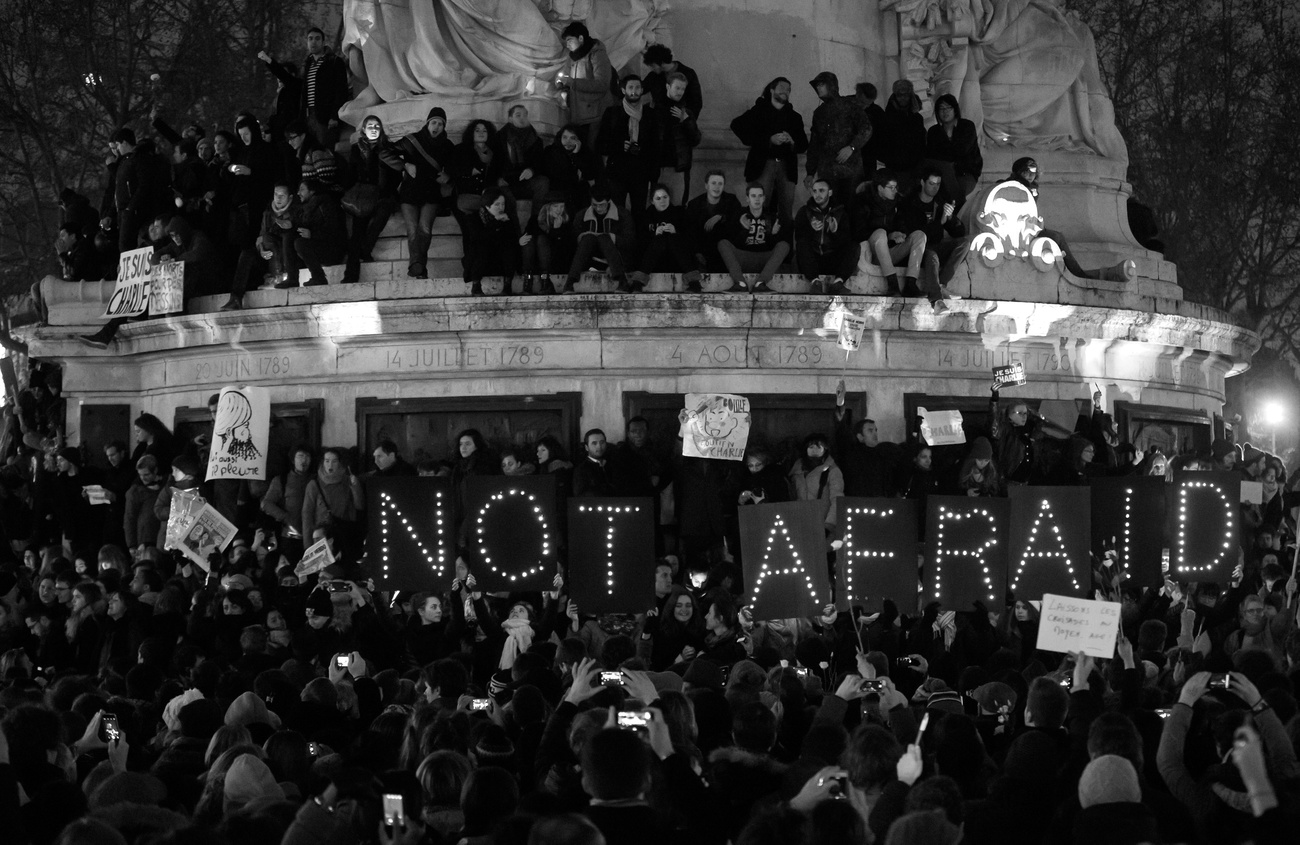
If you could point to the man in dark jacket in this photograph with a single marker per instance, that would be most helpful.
(322, 237)
(629, 142)
(756, 240)
(823, 241)
(774, 133)
(680, 135)
(660, 64)
(324, 89)
(878, 224)
(902, 133)
(704, 216)
(133, 189)
(520, 148)
(595, 474)
(388, 463)
(602, 229)
(865, 94)
(839, 129)
(931, 211)
(76, 255)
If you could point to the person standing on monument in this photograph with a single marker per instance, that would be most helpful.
(902, 131)
(840, 128)
(865, 95)
(660, 64)
(681, 135)
(868, 465)
(324, 89)
(587, 78)
(774, 133)
(629, 141)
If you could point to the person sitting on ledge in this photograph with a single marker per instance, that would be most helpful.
(376, 167)
(279, 231)
(666, 248)
(572, 167)
(602, 228)
(491, 242)
(933, 211)
(704, 216)
(823, 241)
(519, 149)
(322, 230)
(1025, 171)
(754, 240)
(549, 242)
(878, 224)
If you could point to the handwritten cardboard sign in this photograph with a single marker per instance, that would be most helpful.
(240, 433)
(716, 426)
(131, 293)
(167, 294)
(1070, 625)
(851, 328)
(1010, 375)
(941, 428)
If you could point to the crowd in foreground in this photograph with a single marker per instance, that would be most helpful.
(148, 699)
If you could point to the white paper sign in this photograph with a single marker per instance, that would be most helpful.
(95, 494)
(941, 428)
(716, 426)
(314, 559)
(131, 294)
(168, 290)
(196, 529)
(851, 327)
(240, 433)
(1252, 492)
(1070, 625)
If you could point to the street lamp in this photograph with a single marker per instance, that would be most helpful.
(1273, 416)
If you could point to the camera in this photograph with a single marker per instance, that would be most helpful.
(908, 661)
(611, 679)
(837, 785)
(876, 685)
(343, 661)
(634, 720)
(801, 671)
(480, 704)
(337, 586)
(108, 729)
(394, 812)
(1219, 681)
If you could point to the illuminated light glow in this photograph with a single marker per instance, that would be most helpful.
(387, 507)
(610, 510)
(1045, 509)
(864, 554)
(767, 569)
(500, 498)
(1183, 565)
(947, 514)
(1010, 226)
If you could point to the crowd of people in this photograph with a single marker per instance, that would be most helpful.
(255, 203)
(147, 699)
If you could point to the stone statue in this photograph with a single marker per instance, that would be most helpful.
(1025, 71)
(473, 56)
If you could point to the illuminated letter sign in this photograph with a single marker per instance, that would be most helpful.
(878, 558)
(967, 555)
(612, 554)
(784, 549)
(409, 544)
(1049, 541)
(1205, 526)
(1128, 525)
(510, 531)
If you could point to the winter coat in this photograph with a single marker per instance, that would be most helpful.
(678, 138)
(623, 164)
(755, 129)
(902, 137)
(836, 231)
(416, 150)
(823, 482)
(837, 122)
(518, 150)
(284, 498)
(962, 149)
(376, 164)
(589, 75)
(332, 89)
(140, 524)
(570, 173)
(329, 497)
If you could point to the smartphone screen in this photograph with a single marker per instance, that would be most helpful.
(343, 661)
(480, 704)
(634, 720)
(394, 815)
(611, 679)
(108, 729)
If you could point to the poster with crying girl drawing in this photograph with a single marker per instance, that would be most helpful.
(240, 433)
(715, 425)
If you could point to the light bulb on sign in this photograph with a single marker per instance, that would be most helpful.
(388, 508)
(609, 511)
(1184, 491)
(499, 498)
(948, 514)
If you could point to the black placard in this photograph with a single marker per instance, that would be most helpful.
(966, 552)
(1204, 519)
(878, 558)
(410, 543)
(511, 531)
(1050, 532)
(612, 554)
(1128, 525)
(784, 548)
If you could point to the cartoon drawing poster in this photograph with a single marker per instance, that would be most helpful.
(715, 425)
(240, 434)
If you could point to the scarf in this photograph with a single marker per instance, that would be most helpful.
(633, 119)
(519, 637)
(278, 208)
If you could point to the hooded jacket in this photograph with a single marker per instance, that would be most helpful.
(962, 149)
(837, 122)
(755, 129)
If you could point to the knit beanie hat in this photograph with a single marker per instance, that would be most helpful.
(320, 604)
(249, 778)
(187, 464)
(994, 696)
(494, 748)
(982, 450)
(1109, 779)
(436, 111)
(200, 719)
(704, 673)
(72, 455)
(949, 701)
(172, 712)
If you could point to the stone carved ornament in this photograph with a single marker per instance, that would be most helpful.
(462, 51)
(1025, 71)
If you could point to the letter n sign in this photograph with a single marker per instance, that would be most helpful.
(409, 540)
(612, 554)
